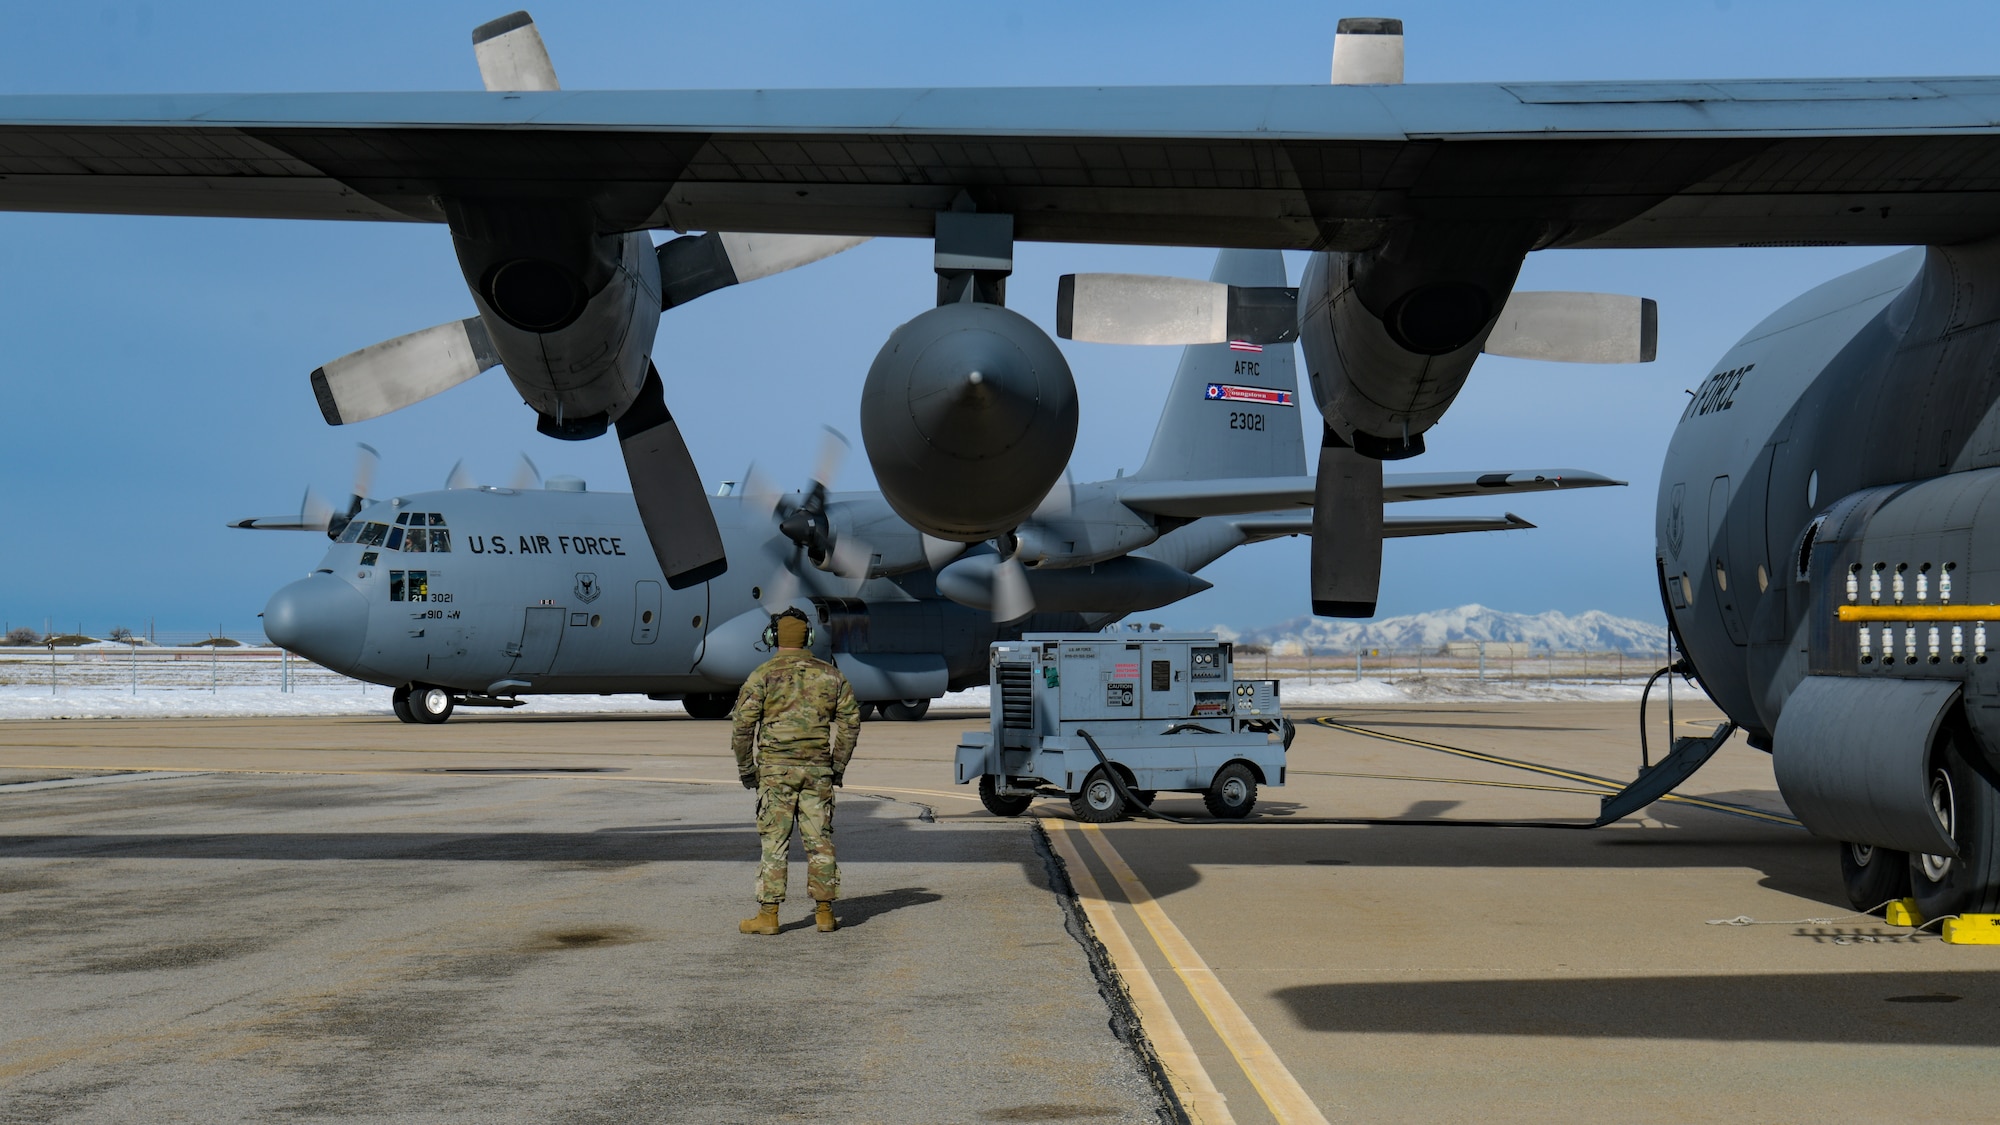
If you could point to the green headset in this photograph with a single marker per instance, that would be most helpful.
(771, 630)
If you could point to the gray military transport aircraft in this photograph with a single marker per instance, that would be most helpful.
(1419, 204)
(479, 596)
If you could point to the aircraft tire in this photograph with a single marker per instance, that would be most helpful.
(1231, 793)
(1873, 876)
(1098, 801)
(399, 701)
(430, 705)
(905, 710)
(997, 803)
(1969, 807)
(709, 704)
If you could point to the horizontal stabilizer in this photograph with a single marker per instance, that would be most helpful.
(293, 522)
(698, 264)
(393, 374)
(1132, 308)
(1277, 525)
(1577, 328)
(1230, 496)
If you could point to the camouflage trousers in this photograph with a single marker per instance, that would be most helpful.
(801, 795)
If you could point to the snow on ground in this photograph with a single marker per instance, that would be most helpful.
(29, 701)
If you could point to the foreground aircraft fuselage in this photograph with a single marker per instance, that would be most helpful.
(1829, 548)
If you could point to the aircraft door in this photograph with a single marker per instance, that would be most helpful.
(646, 613)
(1725, 582)
(541, 633)
(1163, 682)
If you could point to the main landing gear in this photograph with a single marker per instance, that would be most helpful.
(423, 703)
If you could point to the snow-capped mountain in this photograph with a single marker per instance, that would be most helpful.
(1595, 631)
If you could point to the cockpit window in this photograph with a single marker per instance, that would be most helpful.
(395, 540)
(372, 534)
(353, 529)
(402, 518)
(440, 538)
(416, 539)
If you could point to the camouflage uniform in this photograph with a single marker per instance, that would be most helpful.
(809, 725)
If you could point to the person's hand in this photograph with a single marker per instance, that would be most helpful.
(749, 780)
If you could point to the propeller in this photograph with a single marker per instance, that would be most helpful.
(460, 476)
(388, 376)
(366, 461)
(1347, 530)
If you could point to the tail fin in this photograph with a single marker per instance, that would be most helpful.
(1233, 410)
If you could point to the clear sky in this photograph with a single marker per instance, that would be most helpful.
(153, 382)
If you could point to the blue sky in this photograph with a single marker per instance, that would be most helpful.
(154, 373)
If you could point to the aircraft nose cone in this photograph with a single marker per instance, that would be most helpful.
(321, 618)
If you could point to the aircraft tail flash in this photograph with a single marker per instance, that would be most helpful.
(1233, 410)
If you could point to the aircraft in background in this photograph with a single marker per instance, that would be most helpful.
(480, 596)
(1419, 205)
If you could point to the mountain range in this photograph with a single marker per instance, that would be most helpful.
(1594, 631)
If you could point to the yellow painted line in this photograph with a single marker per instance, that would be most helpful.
(1192, 1085)
(1919, 612)
(1282, 1094)
(1552, 771)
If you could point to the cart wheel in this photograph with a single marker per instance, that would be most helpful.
(1143, 796)
(1232, 793)
(906, 710)
(400, 701)
(1098, 801)
(997, 804)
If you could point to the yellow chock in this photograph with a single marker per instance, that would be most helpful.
(1973, 929)
(1903, 912)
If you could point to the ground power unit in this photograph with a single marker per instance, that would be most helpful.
(1108, 721)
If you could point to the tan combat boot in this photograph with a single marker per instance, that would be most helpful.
(823, 914)
(766, 921)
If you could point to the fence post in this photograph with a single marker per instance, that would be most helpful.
(1482, 661)
(1357, 665)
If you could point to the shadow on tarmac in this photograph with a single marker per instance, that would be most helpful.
(857, 911)
(1904, 1009)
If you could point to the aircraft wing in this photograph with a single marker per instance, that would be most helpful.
(1225, 496)
(1276, 525)
(1595, 164)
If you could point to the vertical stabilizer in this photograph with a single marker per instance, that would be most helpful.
(1233, 410)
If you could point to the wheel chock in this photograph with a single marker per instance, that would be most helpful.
(1903, 912)
(1973, 929)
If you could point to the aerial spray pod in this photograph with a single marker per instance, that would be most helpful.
(969, 416)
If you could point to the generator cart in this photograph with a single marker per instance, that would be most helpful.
(1101, 717)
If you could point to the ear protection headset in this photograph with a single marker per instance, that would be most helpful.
(771, 630)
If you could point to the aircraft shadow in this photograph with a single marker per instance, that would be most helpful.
(1955, 1009)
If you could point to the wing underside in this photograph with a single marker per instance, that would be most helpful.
(1861, 162)
(1220, 497)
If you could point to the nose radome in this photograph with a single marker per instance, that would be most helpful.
(321, 618)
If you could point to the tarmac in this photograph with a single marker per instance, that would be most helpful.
(515, 918)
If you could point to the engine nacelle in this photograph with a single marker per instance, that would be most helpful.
(1390, 334)
(572, 312)
(969, 416)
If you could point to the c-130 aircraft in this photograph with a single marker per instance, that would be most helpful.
(556, 590)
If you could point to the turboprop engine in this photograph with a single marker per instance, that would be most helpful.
(969, 416)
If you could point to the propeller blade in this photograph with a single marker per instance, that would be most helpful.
(781, 588)
(1012, 600)
(939, 553)
(1577, 328)
(1060, 500)
(760, 493)
(460, 476)
(698, 264)
(1131, 308)
(832, 451)
(526, 475)
(512, 55)
(366, 461)
(1347, 531)
(1368, 52)
(314, 513)
(393, 374)
(667, 488)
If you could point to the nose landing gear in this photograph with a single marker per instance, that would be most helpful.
(423, 704)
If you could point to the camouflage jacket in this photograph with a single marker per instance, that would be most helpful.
(806, 710)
